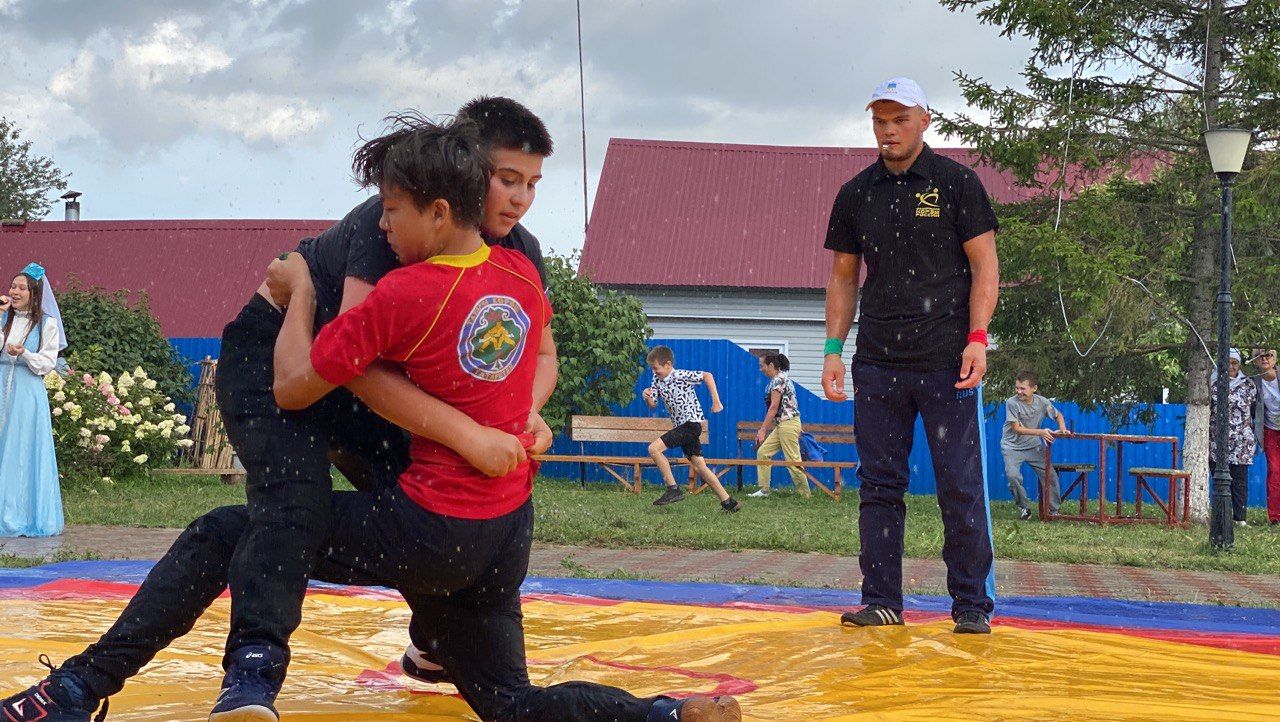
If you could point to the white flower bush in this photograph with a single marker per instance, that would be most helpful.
(99, 435)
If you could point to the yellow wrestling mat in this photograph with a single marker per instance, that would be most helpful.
(783, 661)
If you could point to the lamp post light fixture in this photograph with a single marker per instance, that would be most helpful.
(1227, 148)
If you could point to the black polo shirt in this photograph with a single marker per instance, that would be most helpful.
(356, 246)
(910, 230)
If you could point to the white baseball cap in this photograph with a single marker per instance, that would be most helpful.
(904, 91)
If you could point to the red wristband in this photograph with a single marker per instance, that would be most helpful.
(979, 335)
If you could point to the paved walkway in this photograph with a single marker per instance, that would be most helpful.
(921, 576)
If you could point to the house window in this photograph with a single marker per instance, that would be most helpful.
(760, 349)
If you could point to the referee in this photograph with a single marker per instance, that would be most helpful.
(923, 226)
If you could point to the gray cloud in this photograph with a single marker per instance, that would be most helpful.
(286, 84)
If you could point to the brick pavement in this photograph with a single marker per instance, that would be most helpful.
(920, 576)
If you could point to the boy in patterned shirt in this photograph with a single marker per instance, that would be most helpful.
(675, 387)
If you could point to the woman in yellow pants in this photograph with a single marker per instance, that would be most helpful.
(781, 427)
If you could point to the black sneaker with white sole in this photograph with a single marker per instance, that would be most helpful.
(731, 505)
(872, 615)
(1024, 514)
(972, 622)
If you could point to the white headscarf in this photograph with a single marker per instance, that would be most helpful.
(48, 302)
(1233, 382)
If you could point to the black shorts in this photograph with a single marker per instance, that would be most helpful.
(687, 436)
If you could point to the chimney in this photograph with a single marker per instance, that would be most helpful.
(73, 205)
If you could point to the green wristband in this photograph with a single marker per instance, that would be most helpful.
(833, 346)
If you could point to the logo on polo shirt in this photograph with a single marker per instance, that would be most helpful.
(493, 338)
(928, 204)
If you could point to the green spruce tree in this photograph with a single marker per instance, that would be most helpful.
(1110, 85)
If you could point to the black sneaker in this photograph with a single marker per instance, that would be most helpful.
(731, 505)
(972, 622)
(670, 496)
(872, 615)
(1024, 514)
(250, 686)
(60, 697)
(409, 665)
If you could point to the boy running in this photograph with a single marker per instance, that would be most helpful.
(676, 388)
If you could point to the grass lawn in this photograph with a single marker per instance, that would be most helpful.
(602, 515)
(608, 517)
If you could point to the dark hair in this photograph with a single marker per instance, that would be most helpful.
(36, 308)
(429, 161)
(1029, 376)
(507, 125)
(777, 360)
(659, 355)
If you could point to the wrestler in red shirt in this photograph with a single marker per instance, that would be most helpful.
(461, 319)
(467, 329)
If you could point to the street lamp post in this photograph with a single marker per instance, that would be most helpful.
(1227, 148)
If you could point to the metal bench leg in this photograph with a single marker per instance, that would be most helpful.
(1137, 495)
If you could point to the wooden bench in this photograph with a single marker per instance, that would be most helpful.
(822, 433)
(617, 429)
(635, 430)
(1179, 494)
(1081, 482)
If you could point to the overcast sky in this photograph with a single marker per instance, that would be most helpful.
(251, 108)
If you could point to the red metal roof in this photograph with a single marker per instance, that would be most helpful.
(197, 274)
(672, 213)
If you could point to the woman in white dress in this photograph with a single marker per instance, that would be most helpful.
(30, 498)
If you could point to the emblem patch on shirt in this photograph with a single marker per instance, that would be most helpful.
(493, 338)
(928, 204)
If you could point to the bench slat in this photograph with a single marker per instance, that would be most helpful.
(619, 422)
(627, 429)
(627, 436)
(646, 461)
(822, 433)
(1155, 471)
(812, 428)
(820, 437)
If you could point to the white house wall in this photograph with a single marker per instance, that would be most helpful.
(789, 317)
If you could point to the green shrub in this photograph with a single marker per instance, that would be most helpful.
(106, 332)
(108, 427)
(600, 336)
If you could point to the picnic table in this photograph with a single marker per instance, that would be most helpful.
(1175, 505)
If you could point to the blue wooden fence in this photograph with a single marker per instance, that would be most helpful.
(742, 387)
